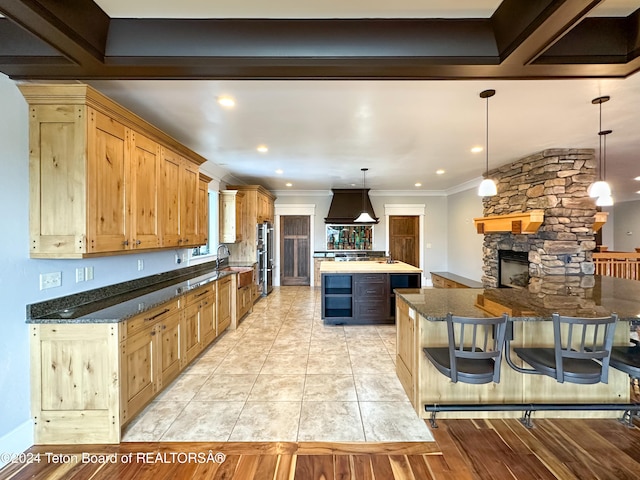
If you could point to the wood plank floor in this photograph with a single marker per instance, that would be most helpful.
(565, 449)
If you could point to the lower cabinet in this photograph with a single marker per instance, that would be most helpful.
(224, 304)
(244, 301)
(405, 341)
(90, 379)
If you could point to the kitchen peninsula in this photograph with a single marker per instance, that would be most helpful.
(363, 292)
(420, 316)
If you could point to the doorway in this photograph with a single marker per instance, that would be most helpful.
(295, 256)
(404, 238)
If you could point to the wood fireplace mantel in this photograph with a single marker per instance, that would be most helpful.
(523, 222)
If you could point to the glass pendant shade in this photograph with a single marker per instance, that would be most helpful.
(604, 201)
(599, 189)
(487, 188)
(364, 218)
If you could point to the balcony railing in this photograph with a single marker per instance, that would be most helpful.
(618, 264)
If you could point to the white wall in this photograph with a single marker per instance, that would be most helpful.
(465, 245)
(19, 275)
(626, 228)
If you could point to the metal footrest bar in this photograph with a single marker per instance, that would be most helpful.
(630, 410)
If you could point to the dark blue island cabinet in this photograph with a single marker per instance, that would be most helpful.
(363, 298)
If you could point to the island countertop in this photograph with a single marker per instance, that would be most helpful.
(368, 267)
(583, 296)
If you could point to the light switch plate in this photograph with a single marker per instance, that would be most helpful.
(50, 280)
(80, 275)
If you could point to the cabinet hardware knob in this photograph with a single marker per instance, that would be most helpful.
(125, 243)
(138, 242)
(153, 333)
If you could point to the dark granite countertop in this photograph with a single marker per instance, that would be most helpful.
(580, 296)
(458, 279)
(99, 307)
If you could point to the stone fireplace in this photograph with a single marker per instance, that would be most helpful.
(556, 182)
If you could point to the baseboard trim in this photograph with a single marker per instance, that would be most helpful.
(16, 441)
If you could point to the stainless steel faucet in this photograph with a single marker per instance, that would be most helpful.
(225, 249)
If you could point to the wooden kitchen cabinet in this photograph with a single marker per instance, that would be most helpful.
(232, 216)
(208, 331)
(203, 210)
(169, 335)
(98, 182)
(192, 343)
(244, 301)
(179, 206)
(405, 346)
(224, 304)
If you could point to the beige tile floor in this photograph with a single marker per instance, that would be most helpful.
(285, 376)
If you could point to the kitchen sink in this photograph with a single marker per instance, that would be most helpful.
(245, 275)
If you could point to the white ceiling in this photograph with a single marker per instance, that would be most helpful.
(324, 8)
(320, 133)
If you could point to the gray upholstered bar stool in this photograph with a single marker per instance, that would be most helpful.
(474, 353)
(581, 351)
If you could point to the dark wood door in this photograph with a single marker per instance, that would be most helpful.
(295, 257)
(404, 239)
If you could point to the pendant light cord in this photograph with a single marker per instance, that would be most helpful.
(600, 163)
(487, 138)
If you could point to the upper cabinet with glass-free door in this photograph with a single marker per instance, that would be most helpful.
(102, 180)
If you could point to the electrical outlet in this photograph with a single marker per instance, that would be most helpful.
(140, 264)
(79, 274)
(88, 273)
(178, 258)
(50, 280)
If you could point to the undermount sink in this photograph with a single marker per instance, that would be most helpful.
(245, 275)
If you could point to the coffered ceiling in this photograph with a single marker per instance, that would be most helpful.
(334, 86)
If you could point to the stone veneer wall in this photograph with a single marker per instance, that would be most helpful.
(555, 181)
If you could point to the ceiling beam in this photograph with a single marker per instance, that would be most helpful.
(77, 29)
(524, 39)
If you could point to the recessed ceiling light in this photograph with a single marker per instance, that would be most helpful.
(637, 178)
(279, 171)
(638, 191)
(418, 184)
(289, 184)
(262, 148)
(439, 171)
(476, 149)
(227, 101)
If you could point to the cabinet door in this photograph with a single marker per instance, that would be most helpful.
(138, 371)
(170, 354)
(145, 176)
(208, 319)
(405, 344)
(189, 181)
(231, 216)
(203, 213)
(223, 307)
(169, 197)
(192, 344)
(107, 185)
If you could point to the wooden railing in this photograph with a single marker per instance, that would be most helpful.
(618, 264)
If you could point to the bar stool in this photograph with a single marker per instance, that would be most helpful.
(479, 360)
(582, 355)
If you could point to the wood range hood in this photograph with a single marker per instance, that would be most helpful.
(346, 206)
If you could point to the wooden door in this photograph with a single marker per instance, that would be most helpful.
(108, 175)
(208, 318)
(295, 257)
(189, 180)
(145, 173)
(139, 371)
(404, 239)
(170, 349)
(192, 331)
(170, 198)
(224, 307)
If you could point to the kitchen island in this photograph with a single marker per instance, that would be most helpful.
(420, 315)
(363, 292)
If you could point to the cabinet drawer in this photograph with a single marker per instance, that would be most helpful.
(371, 278)
(198, 294)
(438, 282)
(151, 317)
(371, 309)
(370, 290)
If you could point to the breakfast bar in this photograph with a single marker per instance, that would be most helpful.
(420, 319)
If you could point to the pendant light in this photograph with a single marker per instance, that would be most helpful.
(487, 187)
(601, 188)
(364, 217)
(605, 199)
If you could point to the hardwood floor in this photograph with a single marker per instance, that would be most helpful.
(564, 449)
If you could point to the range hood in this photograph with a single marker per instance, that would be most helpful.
(346, 205)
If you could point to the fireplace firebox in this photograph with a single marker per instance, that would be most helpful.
(513, 269)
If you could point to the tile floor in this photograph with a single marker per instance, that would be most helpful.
(285, 376)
